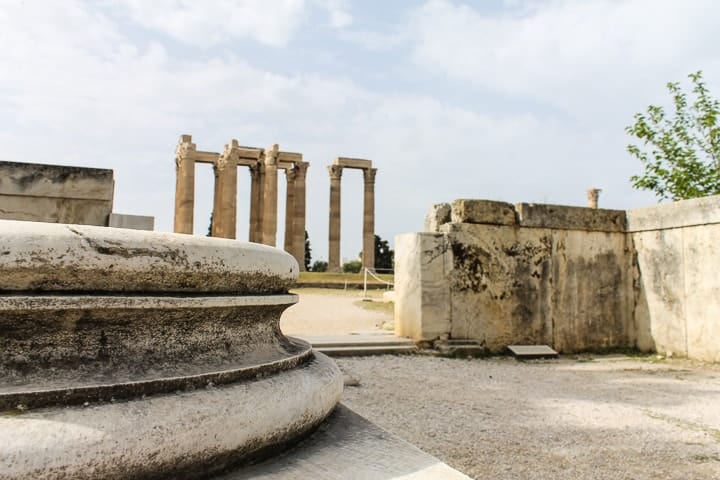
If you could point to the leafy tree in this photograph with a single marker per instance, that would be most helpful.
(680, 151)
(308, 252)
(384, 255)
(209, 234)
(353, 266)
(319, 266)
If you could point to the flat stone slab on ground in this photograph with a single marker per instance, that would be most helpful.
(349, 447)
(528, 352)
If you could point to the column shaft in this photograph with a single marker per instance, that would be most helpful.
(269, 212)
(224, 217)
(289, 211)
(299, 223)
(184, 185)
(334, 231)
(256, 197)
(368, 257)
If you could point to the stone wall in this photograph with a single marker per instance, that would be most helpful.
(678, 260)
(574, 278)
(56, 194)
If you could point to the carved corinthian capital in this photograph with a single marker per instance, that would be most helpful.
(335, 172)
(184, 150)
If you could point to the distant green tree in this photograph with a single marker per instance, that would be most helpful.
(681, 151)
(319, 266)
(209, 234)
(308, 252)
(384, 255)
(353, 266)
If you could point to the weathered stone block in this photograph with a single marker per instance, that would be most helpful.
(439, 214)
(55, 193)
(133, 222)
(483, 211)
(698, 211)
(570, 218)
(422, 307)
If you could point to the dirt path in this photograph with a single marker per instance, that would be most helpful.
(593, 418)
(328, 312)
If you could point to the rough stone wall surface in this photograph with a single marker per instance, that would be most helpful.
(575, 278)
(56, 194)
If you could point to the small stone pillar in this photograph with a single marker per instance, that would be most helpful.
(289, 210)
(256, 198)
(334, 231)
(184, 185)
(299, 223)
(592, 197)
(269, 210)
(224, 218)
(368, 257)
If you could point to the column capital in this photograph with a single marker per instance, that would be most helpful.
(230, 156)
(290, 174)
(301, 169)
(335, 172)
(369, 175)
(184, 149)
(270, 156)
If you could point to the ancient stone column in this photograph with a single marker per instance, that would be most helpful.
(334, 235)
(299, 223)
(592, 195)
(269, 211)
(224, 218)
(289, 210)
(256, 198)
(184, 185)
(368, 257)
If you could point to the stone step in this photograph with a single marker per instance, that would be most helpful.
(366, 350)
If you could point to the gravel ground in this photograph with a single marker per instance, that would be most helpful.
(600, 417)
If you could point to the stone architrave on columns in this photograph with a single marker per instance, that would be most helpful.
(269, 210)
(368, 257)
(334, 231)
(299, 217)
(184, 185)
(224, 219)
(290, 176)
(256, 201)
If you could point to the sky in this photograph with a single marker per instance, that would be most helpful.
(511, 100)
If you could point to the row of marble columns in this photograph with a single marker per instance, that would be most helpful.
(264, 166)
(368, 253)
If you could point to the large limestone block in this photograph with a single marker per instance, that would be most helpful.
(438, 215)
(500, 284)
(570, 218)
(56, 257)
(660, 297)
(697, 211)
(702, 292)
(422, 308)
(134, 222)
(592, 298)
(37, 180)
(483, 211)
(55, 210)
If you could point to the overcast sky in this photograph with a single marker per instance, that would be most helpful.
(508, 100)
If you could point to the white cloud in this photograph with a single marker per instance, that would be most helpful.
(210, 22)
(337, 10)
(567, 53)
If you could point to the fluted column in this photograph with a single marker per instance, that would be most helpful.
(299, 222)
(593, 195)
(256, 200)
(269, 211)
(368, 257)
(224, 219)
(334, 231)
(289, 210)
(184, 185)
